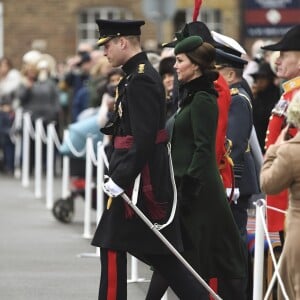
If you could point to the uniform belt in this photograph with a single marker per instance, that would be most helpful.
(126, 142)
(155, 209)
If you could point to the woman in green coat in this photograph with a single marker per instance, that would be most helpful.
(213, 245)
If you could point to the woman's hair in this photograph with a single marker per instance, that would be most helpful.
(293, 111)
(204, 56)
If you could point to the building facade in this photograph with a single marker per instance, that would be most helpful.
(56, 27)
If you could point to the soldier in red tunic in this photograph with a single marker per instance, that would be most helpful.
(288, 68)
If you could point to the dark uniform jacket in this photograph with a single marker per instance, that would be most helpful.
(215, 245)
(140, 113)
(240, 124)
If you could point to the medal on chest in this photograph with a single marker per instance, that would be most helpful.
(120, 111)
(119, 108)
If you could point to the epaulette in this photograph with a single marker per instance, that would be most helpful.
(141, 68)
(234, 91)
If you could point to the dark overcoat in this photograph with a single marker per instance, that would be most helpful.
(216, 249)
(140, 113)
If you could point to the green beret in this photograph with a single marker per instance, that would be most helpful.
(188, 44)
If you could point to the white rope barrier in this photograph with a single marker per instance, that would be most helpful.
(30, 128)
(261, 231)
(75, 152)
(275, 264)
(273, 280)
(276, 209)
(55, 137)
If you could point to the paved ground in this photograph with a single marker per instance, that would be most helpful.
(40, 257)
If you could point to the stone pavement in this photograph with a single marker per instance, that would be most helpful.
(40, 257)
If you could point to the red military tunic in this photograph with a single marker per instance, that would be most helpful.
(275, 220)
(223, 160)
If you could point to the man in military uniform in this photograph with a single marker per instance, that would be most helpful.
(240, 125)
(139, 166)
(288, 68)
(239, 130)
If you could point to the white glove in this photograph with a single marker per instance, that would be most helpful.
(236, 194)
(112, 189)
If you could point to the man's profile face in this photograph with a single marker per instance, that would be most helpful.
(113, 52)
(288, 64)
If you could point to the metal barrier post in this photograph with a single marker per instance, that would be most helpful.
(26, 150)
(88, 188)
(38, 158)
(18, 142)
(50, 166)
(258, 252)
(65, 193)
(100, 196)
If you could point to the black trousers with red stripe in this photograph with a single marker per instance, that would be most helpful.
(113, 283)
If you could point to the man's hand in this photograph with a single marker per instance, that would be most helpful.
(111, 189)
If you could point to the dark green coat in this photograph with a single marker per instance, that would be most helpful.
(215, 246)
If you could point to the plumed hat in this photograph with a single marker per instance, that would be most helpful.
(194, 28)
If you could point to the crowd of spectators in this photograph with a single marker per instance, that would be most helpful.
(65, 92)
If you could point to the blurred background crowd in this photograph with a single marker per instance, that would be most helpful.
(85, 84)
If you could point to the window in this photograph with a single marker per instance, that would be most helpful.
(211, 17)
(87, 27)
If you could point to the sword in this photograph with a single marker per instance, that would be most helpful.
(156, 230)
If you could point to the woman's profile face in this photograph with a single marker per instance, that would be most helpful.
(185, 69)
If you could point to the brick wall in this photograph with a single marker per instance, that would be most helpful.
(52, 22)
